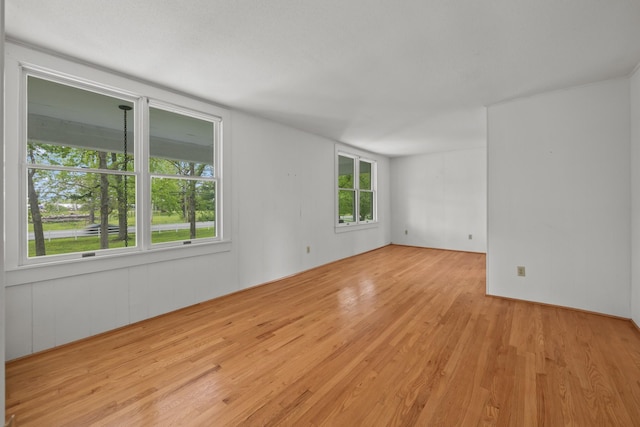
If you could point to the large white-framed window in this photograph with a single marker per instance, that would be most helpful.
(100, 166)
(356, 187)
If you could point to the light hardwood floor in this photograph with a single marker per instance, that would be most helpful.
(397, 336)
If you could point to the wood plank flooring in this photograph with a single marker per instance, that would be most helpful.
(399, 336)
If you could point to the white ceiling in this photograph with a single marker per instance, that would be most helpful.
(394, 77)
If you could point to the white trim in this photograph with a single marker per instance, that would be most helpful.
(52, 75)
(344, 228)
(184, 111)
(142, 161)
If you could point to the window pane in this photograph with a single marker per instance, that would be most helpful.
(365, 175)
(183, 209)
(78, 212)
(70, 127)
(345, 172)
(366, 206)
(346, 203)
(180, 145)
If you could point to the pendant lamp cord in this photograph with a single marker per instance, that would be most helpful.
(125, 165)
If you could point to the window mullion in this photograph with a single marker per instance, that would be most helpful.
(23, 245)
(76, 169)
(356, 187)
(143, 195)
(217, 174)
(182, 177)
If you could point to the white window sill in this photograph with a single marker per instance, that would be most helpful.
(344, 228)
(56, 270)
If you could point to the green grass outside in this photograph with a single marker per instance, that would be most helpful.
(75, 225)
(158, 218)
(92, 243)
(173, 235)
(54, 226)
(81, 244)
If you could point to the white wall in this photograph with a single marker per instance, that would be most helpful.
(559, 198)
(281, 186)
(2, 292)
(440, 199)
(49, 313)
(635, 198)
(284, 184)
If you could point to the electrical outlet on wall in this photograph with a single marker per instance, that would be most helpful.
(470, 236)
(521, 271)
(406, 232)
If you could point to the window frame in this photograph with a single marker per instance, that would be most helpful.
(20, 62)
(371, 190)
(357, 158)
(217, 125)
(27, 71)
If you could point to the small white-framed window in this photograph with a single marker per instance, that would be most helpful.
(355, 190)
